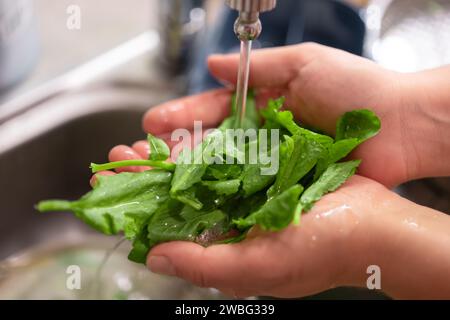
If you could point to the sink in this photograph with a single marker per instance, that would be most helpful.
(55, 162)
(47, 141)
(49, 137)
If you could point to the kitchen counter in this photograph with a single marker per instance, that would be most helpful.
(104, 25)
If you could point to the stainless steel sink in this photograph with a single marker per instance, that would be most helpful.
(55, 163)
(49, 137)
(47, 141)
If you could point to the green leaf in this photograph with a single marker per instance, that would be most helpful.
(140, 248)
(276, 214)
(192, 165)
(353, 128)
(159, 151)
(339, 150)
(176, 223)
(330, 180)
(189, 197)
(118, 203)
(205, 202)
(223, 171)
(299, 156)
(256, 175)
(227, 187)
(251, 120)
(253, 180)
(358, 124)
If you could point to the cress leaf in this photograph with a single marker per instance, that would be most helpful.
(106, 207)
(275, 214)
(159, 151)
(330, 180)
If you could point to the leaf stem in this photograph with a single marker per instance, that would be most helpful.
(133, 163)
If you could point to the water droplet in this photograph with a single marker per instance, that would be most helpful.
(411, 223)
(123, 281)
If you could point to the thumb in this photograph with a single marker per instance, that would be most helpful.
(237, 268)
(274, 67)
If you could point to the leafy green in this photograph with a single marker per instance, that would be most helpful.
(205, 199)
(227, 187)
(300, 156)
(251, 120)
(118, 203)
(275, 214)
(223, 171)
(330, 180)
(252, 179)
(159, 151)
(360, 124)
(353, 128)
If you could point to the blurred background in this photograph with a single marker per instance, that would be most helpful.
(77, 75)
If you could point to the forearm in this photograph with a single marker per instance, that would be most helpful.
(411, 245)
(415, 259)
(426, 113)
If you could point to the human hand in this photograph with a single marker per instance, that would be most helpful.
(320, 84)
(359, 225)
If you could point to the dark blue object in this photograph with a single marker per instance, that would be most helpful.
(327, 22)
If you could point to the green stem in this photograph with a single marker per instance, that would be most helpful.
(133, 163)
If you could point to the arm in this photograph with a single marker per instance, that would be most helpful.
(426, 115)
(411, 245)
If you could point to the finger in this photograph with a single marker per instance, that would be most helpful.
(120, 153)
(178, 143)
(263, 96)
(274, 67)
(210, 107)
(142, 148)
(169, 140)
(242, 267)
(93, 180)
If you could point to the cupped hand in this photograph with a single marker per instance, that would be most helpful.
(320, 84)
(324, 251)
(360, 223)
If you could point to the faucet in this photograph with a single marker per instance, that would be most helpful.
(182, 20)
(248, 26)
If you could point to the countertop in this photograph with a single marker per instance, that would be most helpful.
(104, 25)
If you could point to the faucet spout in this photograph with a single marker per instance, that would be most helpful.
(248, 26)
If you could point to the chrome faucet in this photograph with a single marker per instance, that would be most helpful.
(182, 20)
(248, 26)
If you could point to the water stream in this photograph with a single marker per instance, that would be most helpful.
(242, 82)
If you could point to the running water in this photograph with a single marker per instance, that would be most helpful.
(96, 284)
(242, 82)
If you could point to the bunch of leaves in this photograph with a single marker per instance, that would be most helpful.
(210, 203)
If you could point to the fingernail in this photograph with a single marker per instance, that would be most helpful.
(161, 265)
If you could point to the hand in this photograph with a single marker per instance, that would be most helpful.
(320, 84)
(359, 225)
